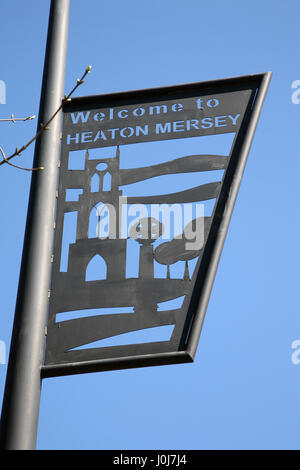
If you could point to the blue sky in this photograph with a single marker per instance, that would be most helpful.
(242, 391)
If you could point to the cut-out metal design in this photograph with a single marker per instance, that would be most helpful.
(105, 236)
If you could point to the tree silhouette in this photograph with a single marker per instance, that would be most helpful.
(175, 250)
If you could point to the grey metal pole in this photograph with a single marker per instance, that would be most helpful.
(20, 411)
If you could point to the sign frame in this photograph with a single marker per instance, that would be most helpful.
(186, 352)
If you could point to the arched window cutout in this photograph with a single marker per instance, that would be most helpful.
(99, 221)
(96, 269)
(107, 182)
(95, 182)
(103, 216)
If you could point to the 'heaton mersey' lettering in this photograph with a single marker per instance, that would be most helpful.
(158, 128)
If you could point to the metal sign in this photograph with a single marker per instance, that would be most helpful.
(141, 256)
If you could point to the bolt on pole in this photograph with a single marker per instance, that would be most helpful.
(21, 402)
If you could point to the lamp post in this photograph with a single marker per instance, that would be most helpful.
(21, 401)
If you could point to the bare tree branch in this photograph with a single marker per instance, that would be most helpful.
(13, 119)
(12, 164)
(43, 128)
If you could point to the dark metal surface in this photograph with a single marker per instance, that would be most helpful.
(135, 117)
(187, 164)
(23, 383)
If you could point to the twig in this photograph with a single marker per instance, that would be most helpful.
(16, 166)
(44, 126)
(13, 119)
